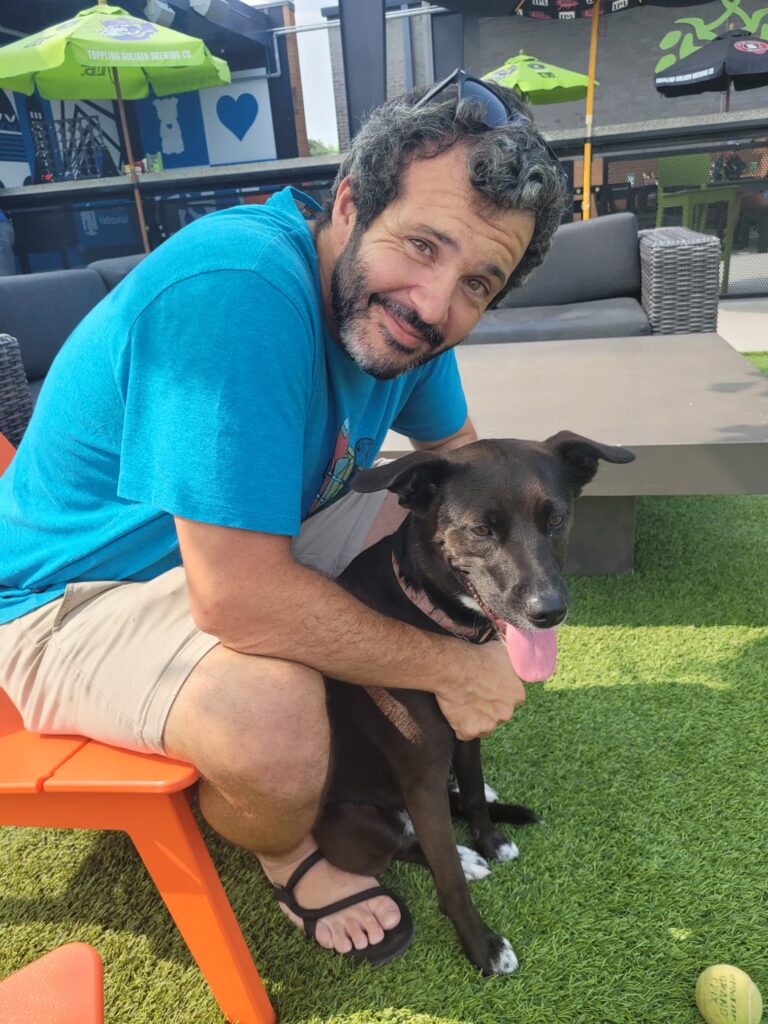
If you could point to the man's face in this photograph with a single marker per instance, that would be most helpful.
(418, 279)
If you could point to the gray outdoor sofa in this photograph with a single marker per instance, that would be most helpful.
(601, 279)
(604, 279)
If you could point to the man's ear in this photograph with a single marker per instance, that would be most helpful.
(580, 456)
(344, 214)
(416, 478)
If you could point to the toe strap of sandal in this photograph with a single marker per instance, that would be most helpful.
(310, 916)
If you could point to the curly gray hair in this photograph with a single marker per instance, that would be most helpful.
(511, 167)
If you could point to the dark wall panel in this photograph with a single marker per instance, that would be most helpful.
(447, 43)
(363, 42)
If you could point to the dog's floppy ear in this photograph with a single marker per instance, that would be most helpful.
(415, 477)
(580, 455)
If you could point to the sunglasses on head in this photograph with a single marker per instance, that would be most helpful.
(495, 112)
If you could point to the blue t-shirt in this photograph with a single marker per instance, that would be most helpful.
(204, 386)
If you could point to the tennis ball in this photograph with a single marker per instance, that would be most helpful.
(726, 995)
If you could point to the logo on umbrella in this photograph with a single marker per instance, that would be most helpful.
(127, 28)
(42, 37)
(751, 46)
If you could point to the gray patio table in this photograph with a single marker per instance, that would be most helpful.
(692, 408)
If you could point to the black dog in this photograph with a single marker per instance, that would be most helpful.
(483, 547)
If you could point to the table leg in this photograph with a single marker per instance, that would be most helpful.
(603, 538)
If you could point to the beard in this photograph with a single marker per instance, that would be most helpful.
(352, 304)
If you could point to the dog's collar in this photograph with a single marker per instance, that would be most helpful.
(475, 634)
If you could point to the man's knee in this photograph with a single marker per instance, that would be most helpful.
(255, 728)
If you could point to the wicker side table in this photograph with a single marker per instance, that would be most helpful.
(15, 397)
(680, 275)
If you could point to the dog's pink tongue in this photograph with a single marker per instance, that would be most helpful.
(533, 654)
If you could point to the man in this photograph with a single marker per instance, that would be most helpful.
(176, 512)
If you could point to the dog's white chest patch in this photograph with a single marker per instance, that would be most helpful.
(408, 830)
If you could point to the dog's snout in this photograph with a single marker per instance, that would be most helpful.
(546, 610)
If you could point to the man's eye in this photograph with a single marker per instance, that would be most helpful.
(477, 286)
(420, 245)
(481, 531)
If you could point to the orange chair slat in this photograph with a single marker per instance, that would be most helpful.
(66, 986)
(101, 768)
(7, 451)
(27, 759)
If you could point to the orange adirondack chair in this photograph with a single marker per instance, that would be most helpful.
(74, 782)
(65, 986)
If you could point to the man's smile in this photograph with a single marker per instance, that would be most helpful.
(402, 333)
(405, 325)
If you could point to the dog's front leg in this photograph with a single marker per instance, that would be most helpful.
(487, 839)
(426, 798)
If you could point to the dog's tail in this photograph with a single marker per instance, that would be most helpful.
(509, 814)
(513, 814)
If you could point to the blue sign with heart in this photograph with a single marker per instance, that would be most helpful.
(237, 115)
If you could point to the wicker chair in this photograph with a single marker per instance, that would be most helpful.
(15, 396)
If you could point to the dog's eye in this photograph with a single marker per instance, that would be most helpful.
(556, 522)
(481, 531)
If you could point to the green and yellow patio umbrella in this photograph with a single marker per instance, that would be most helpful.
(538, 82)
(106, 53)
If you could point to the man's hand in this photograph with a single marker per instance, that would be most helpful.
(486, 697)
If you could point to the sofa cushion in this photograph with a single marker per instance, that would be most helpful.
(113, 271)
(609, 318)
(592, 259)
(41, 310)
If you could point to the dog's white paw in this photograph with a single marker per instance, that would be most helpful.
(505, 961)
(473, 865)
(507, 851)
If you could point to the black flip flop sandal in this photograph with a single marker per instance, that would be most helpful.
(396, 940)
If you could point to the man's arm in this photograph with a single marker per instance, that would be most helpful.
(465, 435)
(246, 589)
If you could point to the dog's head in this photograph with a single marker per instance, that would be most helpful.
(497, 515)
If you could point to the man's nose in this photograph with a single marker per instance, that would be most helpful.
(432, 301)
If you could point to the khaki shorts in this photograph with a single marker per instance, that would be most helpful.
(108, 659)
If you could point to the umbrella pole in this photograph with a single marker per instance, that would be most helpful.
(129, 153)
(586, 201)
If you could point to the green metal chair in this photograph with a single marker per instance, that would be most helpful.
(684, 182)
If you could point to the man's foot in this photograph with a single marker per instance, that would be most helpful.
(362, 921)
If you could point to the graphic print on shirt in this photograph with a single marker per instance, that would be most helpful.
(341, 467)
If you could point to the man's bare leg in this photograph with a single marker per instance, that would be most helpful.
(389, 517)
(257, 731)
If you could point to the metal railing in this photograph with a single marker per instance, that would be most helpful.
(711, 177)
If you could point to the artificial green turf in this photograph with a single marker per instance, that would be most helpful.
(647, 756)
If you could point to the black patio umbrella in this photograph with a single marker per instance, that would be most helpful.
(737, 59)
(554, 9)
